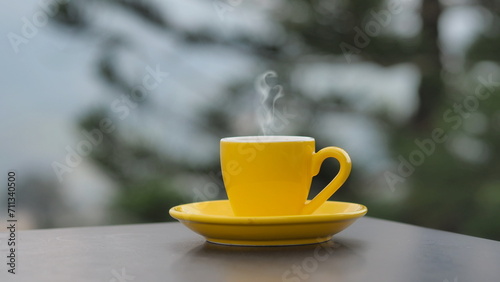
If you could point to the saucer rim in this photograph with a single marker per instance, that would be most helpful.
(266, 220)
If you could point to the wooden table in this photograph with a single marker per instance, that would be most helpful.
(370, 250)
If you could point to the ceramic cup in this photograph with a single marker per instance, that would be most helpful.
(271, 175)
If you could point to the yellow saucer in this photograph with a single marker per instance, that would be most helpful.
(216, 222)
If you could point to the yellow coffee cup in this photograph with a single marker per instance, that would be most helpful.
(271, 175)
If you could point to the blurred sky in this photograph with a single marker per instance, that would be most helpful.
(52, 81)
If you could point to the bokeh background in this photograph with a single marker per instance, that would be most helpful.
(111, 110)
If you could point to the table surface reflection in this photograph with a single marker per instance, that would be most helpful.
(370, 250)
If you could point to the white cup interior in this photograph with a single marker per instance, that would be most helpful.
(267, 139)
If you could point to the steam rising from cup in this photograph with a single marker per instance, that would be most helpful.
(268, 95)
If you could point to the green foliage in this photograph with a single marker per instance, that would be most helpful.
(148, 201)
(447, 191)
(143, 176)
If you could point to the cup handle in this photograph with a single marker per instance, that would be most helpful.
(345, 169)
